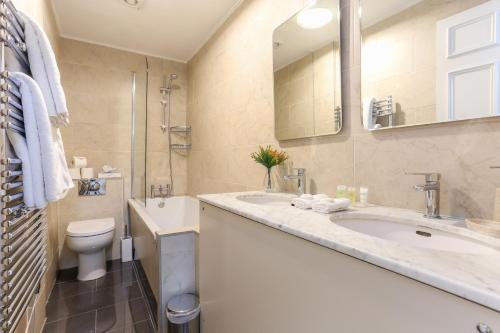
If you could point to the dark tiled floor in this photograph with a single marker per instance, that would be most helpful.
(113, 303)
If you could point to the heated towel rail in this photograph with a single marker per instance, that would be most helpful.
(23, 231)
(384, 108)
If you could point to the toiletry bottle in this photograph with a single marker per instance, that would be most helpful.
(351, 194)
(341, 191)
(363, 196)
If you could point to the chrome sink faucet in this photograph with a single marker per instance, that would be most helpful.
(301, 179)
(431, 188)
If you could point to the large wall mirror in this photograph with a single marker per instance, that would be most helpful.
(307, 95)
(429, 61)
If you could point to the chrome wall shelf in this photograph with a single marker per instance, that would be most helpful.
(176, 146)
(180, 129)
(184, 134)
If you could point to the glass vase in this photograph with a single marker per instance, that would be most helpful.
(270, 181)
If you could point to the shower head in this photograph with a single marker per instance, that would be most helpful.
(172, 77)
(167, 86)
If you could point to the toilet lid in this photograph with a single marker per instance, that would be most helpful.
(90, 227)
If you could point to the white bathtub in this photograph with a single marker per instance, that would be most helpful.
(178, 214)
(165, 241)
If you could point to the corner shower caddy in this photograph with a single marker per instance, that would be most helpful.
(181, 130)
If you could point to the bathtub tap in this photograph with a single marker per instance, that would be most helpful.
(160, 191)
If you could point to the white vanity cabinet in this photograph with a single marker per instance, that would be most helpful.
(257, 279)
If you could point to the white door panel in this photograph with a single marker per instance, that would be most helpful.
(468, 51)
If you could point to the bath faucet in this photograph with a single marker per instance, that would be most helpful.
(161, 191)
(431, 188)
(301, 179)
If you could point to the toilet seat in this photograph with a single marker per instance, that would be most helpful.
(90, 228)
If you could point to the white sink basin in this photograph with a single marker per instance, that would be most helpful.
(414, 235)
(267, 199)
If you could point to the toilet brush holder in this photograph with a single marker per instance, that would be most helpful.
(126, 243)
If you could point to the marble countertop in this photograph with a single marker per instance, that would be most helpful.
(471, 276)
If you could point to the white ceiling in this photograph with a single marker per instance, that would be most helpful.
(173, 29)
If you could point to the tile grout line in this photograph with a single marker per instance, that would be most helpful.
(143, 292)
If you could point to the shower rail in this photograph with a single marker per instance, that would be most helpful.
(23, 233)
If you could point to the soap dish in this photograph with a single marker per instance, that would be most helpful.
(486, 227)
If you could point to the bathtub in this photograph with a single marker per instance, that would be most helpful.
(165, 240)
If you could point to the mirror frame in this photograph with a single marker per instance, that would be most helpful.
(341, 76)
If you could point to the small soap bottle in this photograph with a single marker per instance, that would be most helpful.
(341, 191)
(363, 196)
(351, 194)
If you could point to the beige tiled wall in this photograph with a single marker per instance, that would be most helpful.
(98, 85)
(157, 143)
(305, 94)
(230, 106)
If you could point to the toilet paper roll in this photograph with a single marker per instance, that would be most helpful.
(79, 162)
(87, 173)
(75, 173)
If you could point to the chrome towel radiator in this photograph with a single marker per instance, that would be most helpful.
(23, 231)
(384, 108)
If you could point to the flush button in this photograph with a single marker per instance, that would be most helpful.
(92, 187)
(483, 328)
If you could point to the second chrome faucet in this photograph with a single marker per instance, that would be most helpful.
(301, 180)
(431, 189)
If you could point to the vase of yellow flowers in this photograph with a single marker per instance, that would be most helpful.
(269, 157)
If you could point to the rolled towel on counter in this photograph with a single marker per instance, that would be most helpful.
(329, 205)
(302, 203)
(306, 201)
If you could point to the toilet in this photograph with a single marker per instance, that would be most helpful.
(89, 239)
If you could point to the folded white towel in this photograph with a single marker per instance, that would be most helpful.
(49, 171)
(306, 196)
(302, 203)
(44, 69)
(327, 206)
(21, 149)
(320, 196)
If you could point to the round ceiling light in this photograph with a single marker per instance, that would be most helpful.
(314, 18)
(133, 3)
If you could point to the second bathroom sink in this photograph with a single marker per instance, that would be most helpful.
(267, 199)
(414, 235)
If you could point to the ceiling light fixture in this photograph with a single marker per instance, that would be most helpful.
(314, 18)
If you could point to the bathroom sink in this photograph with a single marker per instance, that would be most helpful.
(414, 235)
(267, 199)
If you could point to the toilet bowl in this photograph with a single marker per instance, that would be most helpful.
(89, 239)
